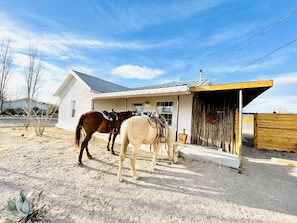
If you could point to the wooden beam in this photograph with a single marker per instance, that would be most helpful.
(234, 86)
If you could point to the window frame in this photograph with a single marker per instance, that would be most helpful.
(165, 108)
(72, 108)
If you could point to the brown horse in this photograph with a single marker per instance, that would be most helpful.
(103, 122)
(140, 130)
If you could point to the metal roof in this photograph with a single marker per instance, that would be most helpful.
(172, 88)
(105, 89)
(98, 85)
(191, 83)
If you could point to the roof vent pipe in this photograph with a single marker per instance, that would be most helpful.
(200, 75)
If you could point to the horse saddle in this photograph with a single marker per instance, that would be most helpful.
(110, 116)
(161, 127)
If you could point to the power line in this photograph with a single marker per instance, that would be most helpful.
(260, 58)
(252, 40)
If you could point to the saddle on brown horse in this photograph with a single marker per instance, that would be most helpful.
(112, 117)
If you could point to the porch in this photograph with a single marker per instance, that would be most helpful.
(206, 154)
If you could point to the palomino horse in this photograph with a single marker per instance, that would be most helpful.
(103, 122)
(139, 130)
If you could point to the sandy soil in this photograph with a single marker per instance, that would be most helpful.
(189, 191)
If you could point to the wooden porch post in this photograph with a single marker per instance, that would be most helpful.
(177, 116)
(239, 130)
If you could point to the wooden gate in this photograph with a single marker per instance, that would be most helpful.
(275, 131)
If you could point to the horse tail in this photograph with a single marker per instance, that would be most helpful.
(78, 129)
(124, 138)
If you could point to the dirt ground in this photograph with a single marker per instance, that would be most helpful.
(189, 191)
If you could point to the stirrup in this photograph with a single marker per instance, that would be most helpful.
(162, 139)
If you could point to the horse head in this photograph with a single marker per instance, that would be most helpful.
(172, 151)
(173, 154)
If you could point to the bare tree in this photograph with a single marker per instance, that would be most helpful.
(33, 74)
(280, 110)
(6, 58)
(34, 79)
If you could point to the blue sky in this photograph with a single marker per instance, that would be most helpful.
(142, 42)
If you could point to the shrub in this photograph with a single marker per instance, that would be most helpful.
(26, 208)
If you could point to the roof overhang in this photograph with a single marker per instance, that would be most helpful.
(250, 90)
(177, 90)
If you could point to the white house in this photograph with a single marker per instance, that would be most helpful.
(211, 115)
(23, 104)
(80, 93)
(186, 105)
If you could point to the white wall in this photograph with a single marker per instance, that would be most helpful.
(185, 108)
(75, 91)
(185, 115)
(117, 105)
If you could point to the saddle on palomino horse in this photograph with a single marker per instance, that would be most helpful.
(161, 124)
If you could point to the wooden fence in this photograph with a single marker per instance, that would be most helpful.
(275, 132)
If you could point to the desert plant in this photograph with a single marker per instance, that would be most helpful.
(26, 209)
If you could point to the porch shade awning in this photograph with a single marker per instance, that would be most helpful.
(250, 90)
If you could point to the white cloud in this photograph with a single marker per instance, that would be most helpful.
(132, 71)
(142, 14)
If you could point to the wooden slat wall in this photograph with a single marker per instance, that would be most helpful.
(275, 132)
(220, 134)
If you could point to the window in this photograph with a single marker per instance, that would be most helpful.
(138, 108)
(165, 109)
(72, 108)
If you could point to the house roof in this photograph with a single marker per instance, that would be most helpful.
(191, 83)
(250, 90)
(103, 89)
(94, 84)
(24, 99)
(171, 88)
(99, 85)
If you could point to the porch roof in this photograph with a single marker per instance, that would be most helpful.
(250, 90)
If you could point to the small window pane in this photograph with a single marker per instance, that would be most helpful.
(165, 109)
(138, 108)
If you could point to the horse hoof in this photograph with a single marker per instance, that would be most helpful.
(112, 152)
(80, 163)
(120, 179)
(90, 157)
(136, 177)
